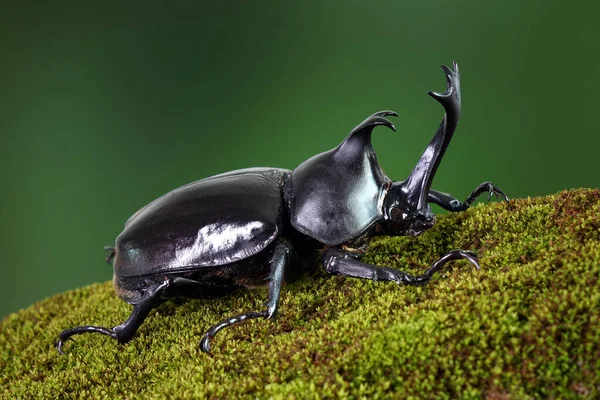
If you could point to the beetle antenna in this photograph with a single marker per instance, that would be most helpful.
(111, 252)
(418, 183)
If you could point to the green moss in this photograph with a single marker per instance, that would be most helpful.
(525, 325)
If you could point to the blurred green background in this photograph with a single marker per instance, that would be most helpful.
(104, 109)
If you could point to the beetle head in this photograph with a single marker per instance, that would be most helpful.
(401, 217)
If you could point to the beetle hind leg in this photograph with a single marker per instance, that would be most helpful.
(124, 332)
(67, 333)
(211, 333)
(278, 263)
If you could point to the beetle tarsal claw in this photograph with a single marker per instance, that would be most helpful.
(450, 256)
(493, 190)
(68, 333)
(212, 332)
(500, 193)
(60, 343)
(472, 258)
(205, 344)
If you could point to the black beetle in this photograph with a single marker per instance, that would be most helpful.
(243, 228)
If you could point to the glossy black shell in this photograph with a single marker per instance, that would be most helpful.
(337, 195)
(214, 221)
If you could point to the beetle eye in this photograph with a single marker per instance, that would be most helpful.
(398, 213)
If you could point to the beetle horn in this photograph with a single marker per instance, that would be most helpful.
(366, 127)
(418, 183)
(361, 135)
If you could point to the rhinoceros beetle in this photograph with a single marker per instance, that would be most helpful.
(243, 228)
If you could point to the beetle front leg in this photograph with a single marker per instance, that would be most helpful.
(279, 262)
(124, 332)
(336, 262)
(450, 203)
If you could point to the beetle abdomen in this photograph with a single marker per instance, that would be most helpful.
(211, 222)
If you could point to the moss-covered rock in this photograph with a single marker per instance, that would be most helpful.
(525, 325)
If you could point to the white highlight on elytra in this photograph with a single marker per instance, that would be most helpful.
(215, 239)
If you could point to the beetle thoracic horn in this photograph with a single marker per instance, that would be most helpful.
(376, 119)
(418, 183)
(366, 127)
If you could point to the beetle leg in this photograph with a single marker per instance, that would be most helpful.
(124, 332)
(336, 262)
(450, 203)
(279, 262)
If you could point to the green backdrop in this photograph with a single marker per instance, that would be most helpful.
(104, 109)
